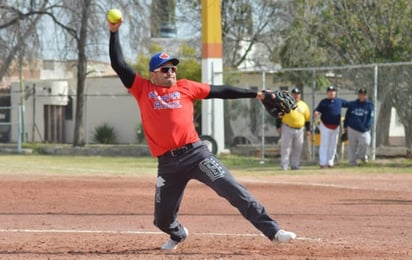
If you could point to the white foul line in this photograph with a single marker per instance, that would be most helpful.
(120, 232)
(137, 232)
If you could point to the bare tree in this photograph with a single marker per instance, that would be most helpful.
(245, 24)
(18, 31)
(83, 23)
(163, 17)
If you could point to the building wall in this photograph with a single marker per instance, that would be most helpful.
(396, 130)
(53, 69)
(106, 101)
(46, 93)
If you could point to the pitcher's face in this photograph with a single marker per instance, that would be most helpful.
(165, 75)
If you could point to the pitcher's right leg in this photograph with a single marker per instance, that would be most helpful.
(169, 192)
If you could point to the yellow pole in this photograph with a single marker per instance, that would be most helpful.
(212, 71)
(211, 29)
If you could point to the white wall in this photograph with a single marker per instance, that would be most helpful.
(108, 101)
(396, 128)
(48, 92)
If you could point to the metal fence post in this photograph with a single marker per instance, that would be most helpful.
(20, 130)
(375, 101)
(312, 137)
(262, 153)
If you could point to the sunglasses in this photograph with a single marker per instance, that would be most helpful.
(166, 69)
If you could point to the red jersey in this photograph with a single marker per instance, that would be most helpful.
(167, 113)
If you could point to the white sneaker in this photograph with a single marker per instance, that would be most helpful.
(283, 236)
(171, 244)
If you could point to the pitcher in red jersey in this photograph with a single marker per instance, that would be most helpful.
(166, 107)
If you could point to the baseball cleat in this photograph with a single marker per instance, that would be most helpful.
(283, 236)
(171, 244)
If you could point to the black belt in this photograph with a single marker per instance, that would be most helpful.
(178, 151)
(293, 127)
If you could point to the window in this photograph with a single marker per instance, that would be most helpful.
(68, 112)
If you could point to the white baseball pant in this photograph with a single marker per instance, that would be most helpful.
(328, 142)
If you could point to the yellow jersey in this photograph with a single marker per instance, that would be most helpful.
(297, 118)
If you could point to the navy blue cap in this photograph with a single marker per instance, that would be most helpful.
(363, 90)
(159, 59)
(331, 88)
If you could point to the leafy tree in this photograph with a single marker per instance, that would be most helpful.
(354, 32)
(142, 64)
(299, 46)
(372, 32)
(189, 65)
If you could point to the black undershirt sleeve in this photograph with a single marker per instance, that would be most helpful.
(229, 92)
(307, 126)
(278, 122)
(119, 65)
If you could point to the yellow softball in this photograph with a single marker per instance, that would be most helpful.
(114, 16)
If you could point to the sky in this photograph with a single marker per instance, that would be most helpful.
(55, 43)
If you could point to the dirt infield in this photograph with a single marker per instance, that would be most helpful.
(336, 216)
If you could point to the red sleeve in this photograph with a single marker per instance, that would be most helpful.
(197, 90)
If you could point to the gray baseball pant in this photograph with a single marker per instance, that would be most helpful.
(358, 145)
(200, 164)
(291, 146)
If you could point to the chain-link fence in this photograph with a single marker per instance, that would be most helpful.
(251, 131)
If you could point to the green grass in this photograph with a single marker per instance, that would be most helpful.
(76, 165)
(118, 166)
(253, 165)
(97, 165)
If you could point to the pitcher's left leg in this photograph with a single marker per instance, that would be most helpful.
(212, 173)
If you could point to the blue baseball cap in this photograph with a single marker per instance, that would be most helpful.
(161, 58)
